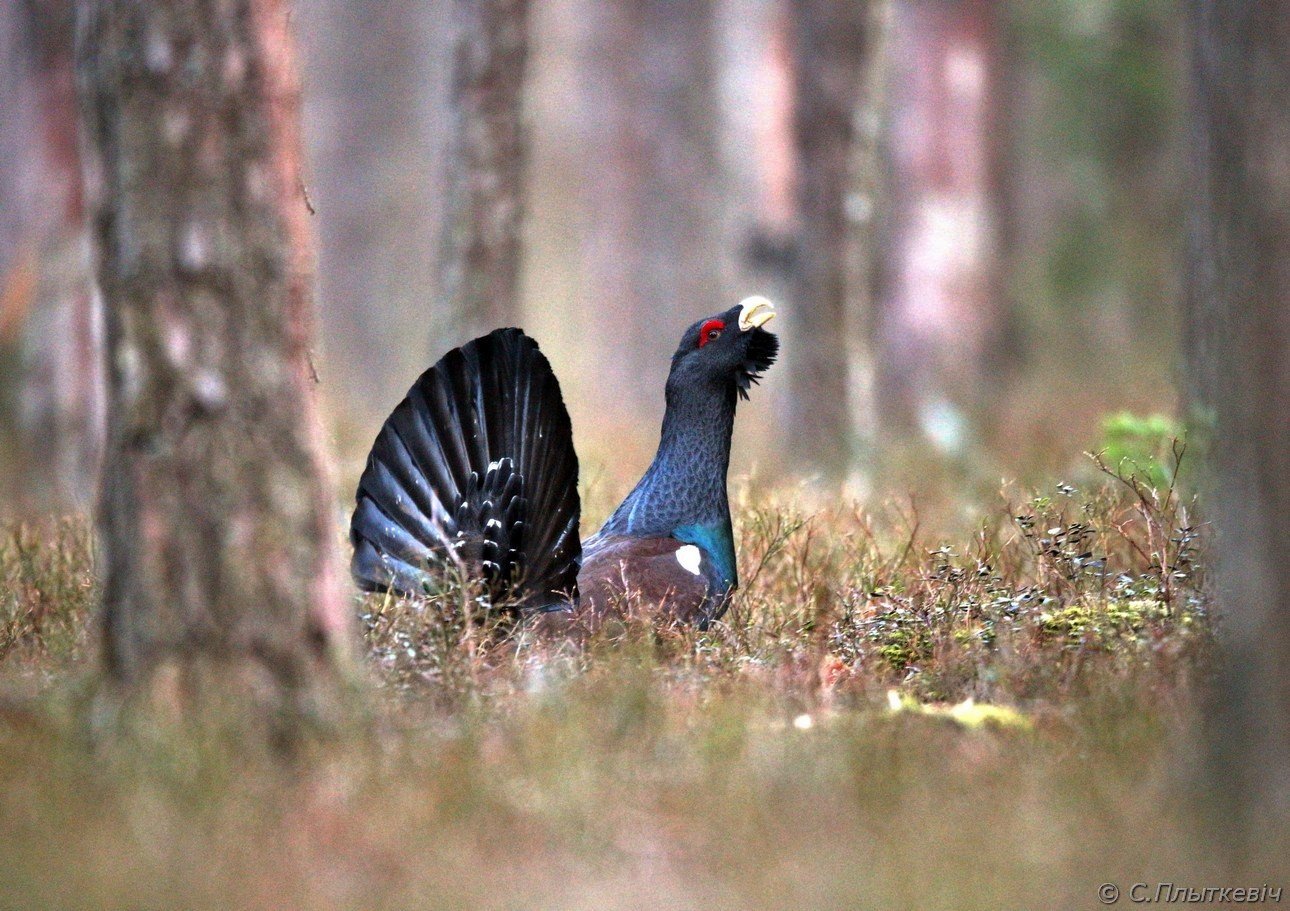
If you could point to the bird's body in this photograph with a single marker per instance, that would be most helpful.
(476, 469)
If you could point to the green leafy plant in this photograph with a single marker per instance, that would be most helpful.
(1141, 445)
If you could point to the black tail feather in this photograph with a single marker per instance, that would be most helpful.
(476, 465)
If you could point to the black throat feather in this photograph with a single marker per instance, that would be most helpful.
(686, 483)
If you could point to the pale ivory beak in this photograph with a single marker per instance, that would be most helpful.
(755, 312)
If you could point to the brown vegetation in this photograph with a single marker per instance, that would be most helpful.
(815, 749)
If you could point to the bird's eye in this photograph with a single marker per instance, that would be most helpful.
(711, 331)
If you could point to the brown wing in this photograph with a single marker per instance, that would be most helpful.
(622, 575)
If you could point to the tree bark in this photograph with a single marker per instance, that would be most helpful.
(1238, 348)
(51, 403)
(376, 128)
(19, 121)
(652, 194)
(481, 258)
(938, 306)
(216, 517)
(829, 40)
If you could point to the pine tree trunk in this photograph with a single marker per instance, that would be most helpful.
(376, 130)
(481, 257)
(938, 303)
(50, 370)
(19, 122)
(829, 47)
(1238, 347)
(216, 518)
(653, 234)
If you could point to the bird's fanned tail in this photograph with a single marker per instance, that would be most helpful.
(475, 466)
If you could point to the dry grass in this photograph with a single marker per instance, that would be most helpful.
(46, 595)
(813, 751)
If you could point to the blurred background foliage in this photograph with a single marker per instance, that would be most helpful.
(1012, 261)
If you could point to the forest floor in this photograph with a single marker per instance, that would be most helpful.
(882, 720)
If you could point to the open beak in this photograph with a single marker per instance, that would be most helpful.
(755, 312)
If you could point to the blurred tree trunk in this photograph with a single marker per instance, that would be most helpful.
(1004, 348)
(480, 262)
(758, 210)
(829, 40)
(938, 306)
(652, 197)
(19, 121)
(51, 403)
(216, 517)
(757, 150)
(1238, 346)
(867, 203)
(376, 131)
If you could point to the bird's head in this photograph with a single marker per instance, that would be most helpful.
(729, 348)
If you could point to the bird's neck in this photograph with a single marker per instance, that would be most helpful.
(686, 483)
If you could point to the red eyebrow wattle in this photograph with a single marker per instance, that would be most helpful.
(708, 327)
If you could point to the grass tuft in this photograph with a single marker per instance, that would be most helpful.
(47, 591)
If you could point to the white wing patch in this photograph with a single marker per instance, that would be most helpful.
(689, 557)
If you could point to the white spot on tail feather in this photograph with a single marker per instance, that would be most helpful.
(689, 557)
